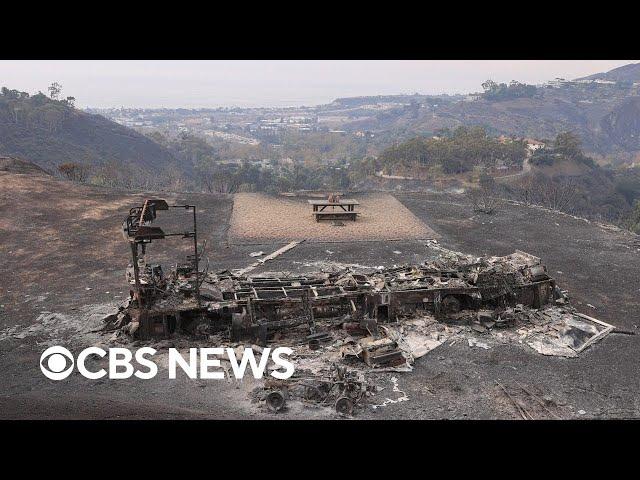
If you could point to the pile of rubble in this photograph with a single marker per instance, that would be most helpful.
(552, 330)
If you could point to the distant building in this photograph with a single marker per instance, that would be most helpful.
(534, 145)
(531, 143)
(556, 83)
(236, 162)
(472, 97)
(362, 134)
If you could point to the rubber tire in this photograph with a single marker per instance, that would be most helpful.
(344, 406)
(276, 400)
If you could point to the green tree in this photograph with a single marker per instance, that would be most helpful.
(489, 86)
(54, 90)
(567, 143)
(74, 171)
(633, 223)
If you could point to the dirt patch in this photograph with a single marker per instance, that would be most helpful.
(382, 217)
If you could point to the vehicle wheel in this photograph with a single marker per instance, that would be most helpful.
(352, 389)
(276, 400)
(313, 394)
(451, 304)
(344, 406)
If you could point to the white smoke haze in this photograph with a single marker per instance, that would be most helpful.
(263, 83)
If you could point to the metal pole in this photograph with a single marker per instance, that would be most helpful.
(136, 272)
(195, 258)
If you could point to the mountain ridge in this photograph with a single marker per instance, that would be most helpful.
(625, 73)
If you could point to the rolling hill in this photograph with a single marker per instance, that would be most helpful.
(605, 115)
(49, 132)
(626, 73)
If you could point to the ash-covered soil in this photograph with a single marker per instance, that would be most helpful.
(60, 238)
(597, 263)
(62, 247)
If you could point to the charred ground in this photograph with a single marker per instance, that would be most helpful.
(60, 239)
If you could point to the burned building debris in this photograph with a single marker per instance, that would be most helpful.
(381, 320)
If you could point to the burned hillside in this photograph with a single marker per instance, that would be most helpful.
(43, 304)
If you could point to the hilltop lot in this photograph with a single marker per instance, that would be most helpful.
(266, 217)
(62, 252)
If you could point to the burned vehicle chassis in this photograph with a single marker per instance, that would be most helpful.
(258, 311)
(253, 308)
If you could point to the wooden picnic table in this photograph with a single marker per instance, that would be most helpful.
(344, 209)
(345, 205)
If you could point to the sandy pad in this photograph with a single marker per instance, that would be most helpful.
(382, 217)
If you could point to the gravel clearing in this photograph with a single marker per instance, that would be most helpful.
(382, 217)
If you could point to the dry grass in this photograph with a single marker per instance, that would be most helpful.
(382, 217)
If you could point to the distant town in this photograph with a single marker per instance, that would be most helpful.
(359, 118)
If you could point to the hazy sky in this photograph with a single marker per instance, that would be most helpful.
(244, 83)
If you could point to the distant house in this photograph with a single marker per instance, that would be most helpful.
(556, 83)
(328, 162)
(231, 162)
(534, 145)
(363, 134)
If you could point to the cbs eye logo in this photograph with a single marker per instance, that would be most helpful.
(54, 361)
